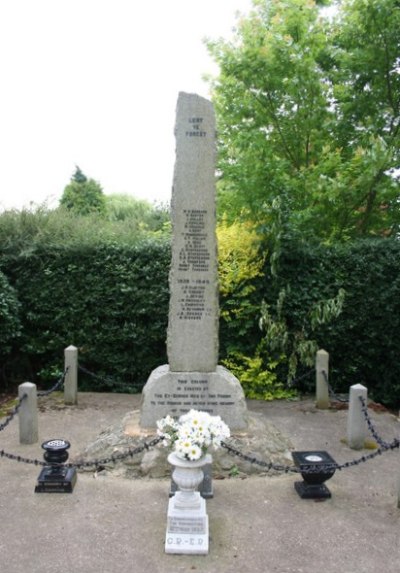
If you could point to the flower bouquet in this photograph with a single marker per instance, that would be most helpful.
(193, 434)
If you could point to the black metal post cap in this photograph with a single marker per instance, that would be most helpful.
(56, 444)
(56, 451)
(55, 477)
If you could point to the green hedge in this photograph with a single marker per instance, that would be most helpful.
(109, 301)
(9, 316)
(364, 341)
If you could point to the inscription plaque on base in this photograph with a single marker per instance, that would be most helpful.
(187, 531)
(219, 393)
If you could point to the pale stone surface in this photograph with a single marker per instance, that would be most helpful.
(398, 491)
(322, 390)
(356, 423)
(71, 377)
(28, 417)
(192, 378)
(187, 529)
(174, 393)
(261, 439)
(193, 313)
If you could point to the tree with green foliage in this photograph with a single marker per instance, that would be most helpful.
(79, 176)
(83, 195)
(297, 346)
(139, 212)
(308, 119)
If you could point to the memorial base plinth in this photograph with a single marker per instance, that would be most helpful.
(60, 481)
(187, 521)
(316, 467)
(175, 393)
(187, 530)
(307, 491)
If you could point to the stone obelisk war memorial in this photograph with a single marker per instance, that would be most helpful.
(192, 378)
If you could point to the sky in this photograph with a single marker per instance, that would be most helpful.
(95, 83)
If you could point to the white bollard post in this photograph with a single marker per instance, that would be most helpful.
(398, 493)
(356, 423)
(71, 378)
(27, 414)
(322, 377)
(398, 485)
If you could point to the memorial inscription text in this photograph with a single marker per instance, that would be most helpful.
(195, 127)
(192, 393)
(194, 256)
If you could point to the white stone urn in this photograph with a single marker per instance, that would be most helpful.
(188, 475)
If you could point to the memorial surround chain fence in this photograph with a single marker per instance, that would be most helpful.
(14, 412)
(192, 378)
(331, 391)
(371, 427)
(384, 445)
(110, 382)
(71, 366)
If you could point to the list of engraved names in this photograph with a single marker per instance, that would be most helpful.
(194, 255)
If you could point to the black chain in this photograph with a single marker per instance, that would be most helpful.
(56, 386)
(311, 469)
(371, 427)
(395, 444)
(293, 382)
(107, 379)
(13, 413)
(96, 463)
(116, 457)
(332, 393)
(4, 454)
(11, 416)
(251, 459)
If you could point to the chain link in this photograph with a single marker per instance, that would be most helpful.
(116, 457)
(311, 469)
(267, 465)
(56, 386)
(13, 413)
(96, 463)
(371, 427)
(251, 459)
(13, 457)
(108, 380)
(395, 444)
(332, 393)
(59, 384)
(293, 382)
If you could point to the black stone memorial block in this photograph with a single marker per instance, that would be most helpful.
(316, 467)
(55, 477)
